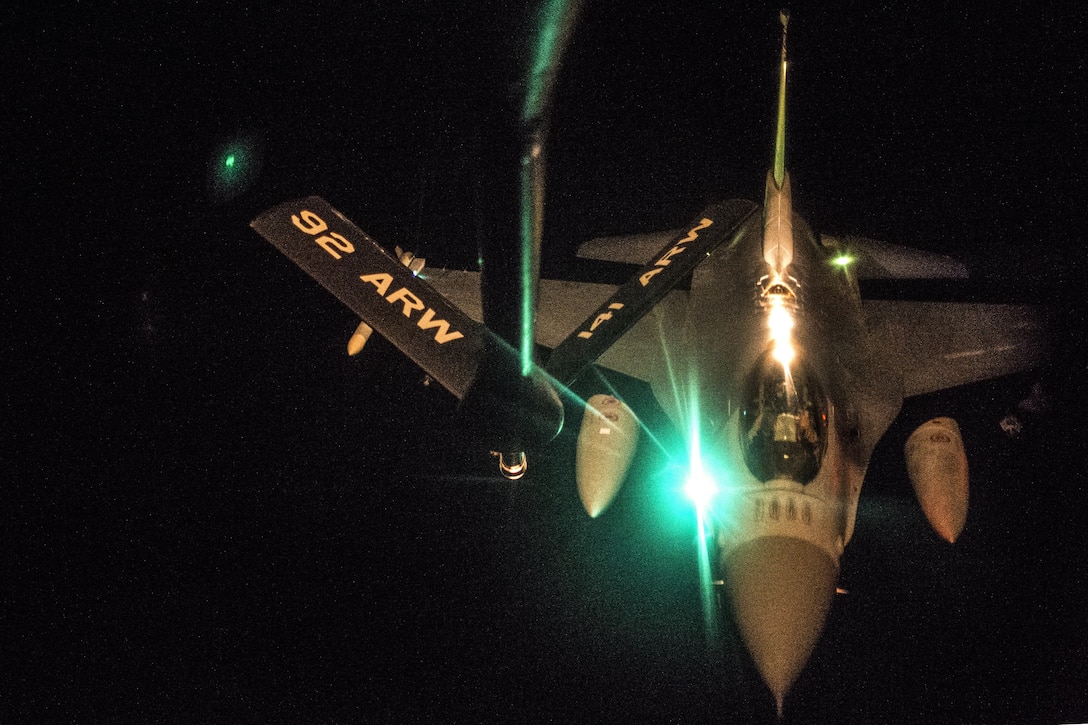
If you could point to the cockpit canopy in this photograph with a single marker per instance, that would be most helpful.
(783, 421)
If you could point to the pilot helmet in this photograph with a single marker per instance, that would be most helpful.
(783, 421)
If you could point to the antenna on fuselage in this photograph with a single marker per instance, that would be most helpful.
(777, 199)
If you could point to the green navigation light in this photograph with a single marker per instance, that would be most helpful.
(843, 260)
(233, 167)
(700, 488)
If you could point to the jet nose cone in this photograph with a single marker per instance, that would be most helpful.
(781, 590)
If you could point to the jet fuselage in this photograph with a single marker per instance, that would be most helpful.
(786, 436)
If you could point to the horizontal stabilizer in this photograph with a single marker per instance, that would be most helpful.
(719, 224)
(627, 248)
(404, 309)
(882, 260)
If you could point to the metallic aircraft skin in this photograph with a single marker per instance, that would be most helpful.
(770, 526)
(727, 333)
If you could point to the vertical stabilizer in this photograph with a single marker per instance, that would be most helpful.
(780, 131)
(777, 202)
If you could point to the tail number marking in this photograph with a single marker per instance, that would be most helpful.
(601, 319)
(679, 248)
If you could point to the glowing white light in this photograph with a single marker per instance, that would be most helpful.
(700, 487)
(780, 322)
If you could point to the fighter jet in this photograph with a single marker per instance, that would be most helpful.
(779, 375)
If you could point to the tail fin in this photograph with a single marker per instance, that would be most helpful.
(777, 198)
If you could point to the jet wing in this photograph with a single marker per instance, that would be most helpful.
(719, 225)
(938, 345)
(932, 345)
(873, 259)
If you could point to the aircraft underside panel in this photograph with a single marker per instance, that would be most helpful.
(938, 345)
(459, 287)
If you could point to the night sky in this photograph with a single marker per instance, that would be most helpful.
(211, 513)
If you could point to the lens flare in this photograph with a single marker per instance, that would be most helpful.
(706, 583)
(700, 488)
